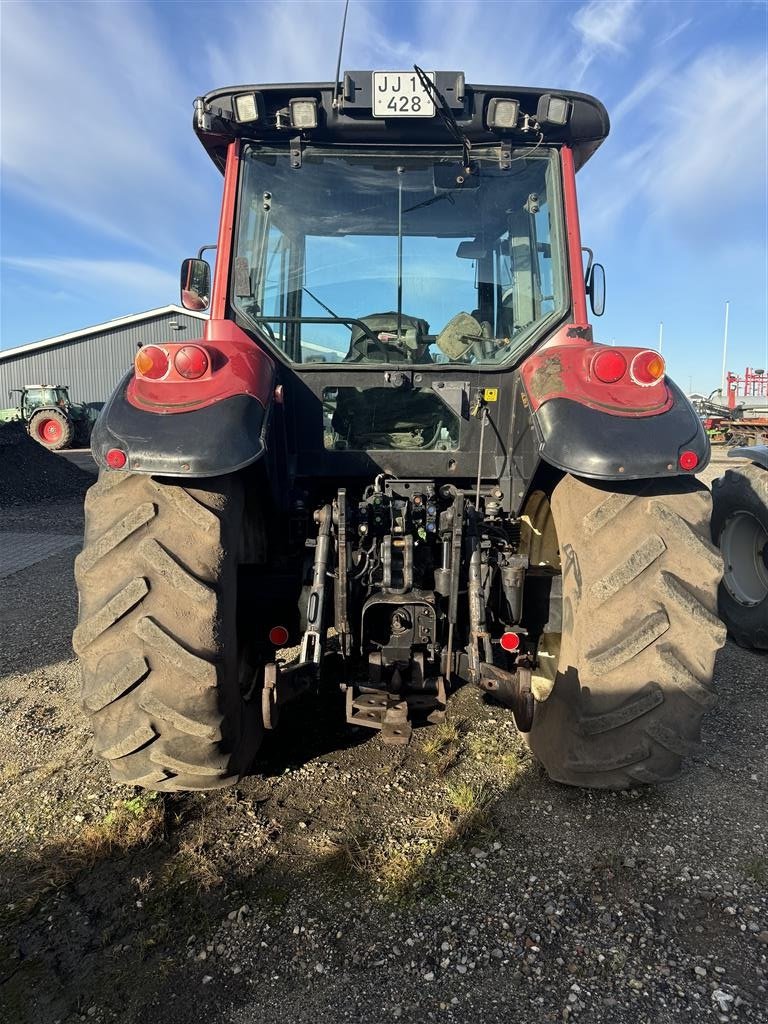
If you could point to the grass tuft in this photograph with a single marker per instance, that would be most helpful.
(129, 825)
(440, 736)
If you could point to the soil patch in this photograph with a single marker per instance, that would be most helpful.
(30, 473)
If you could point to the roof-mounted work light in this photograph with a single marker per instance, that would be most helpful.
(303, 112)
(553, 110)
(503, 113)
(246, 108)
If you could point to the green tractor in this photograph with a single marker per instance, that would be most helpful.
(49, 416)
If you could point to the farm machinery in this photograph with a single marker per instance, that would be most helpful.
(49, 415)
(396, 459)
(744, 420)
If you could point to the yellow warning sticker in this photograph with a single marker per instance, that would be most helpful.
(491, 394)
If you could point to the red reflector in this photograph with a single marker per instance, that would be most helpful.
(647, 368)
(152, 362)
(115, 458)
(609, 366)
(191, 362)
(278, 636)
(688, 460)
(510, 641)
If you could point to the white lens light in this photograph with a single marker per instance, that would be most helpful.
(246, 108)
(553, 110)
(303, 113)
(503, 113)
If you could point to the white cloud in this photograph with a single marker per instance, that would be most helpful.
(605, 27)
(676, 31)
(93, 118)
(139, 281)
(702, 151)
(298, 42)
(642, 89)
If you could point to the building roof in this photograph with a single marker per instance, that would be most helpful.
(122, 321)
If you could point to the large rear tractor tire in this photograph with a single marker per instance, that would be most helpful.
(52, 429)
(635, 657)
(163, 668)
(740, 529)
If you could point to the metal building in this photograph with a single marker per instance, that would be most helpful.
(93, 360)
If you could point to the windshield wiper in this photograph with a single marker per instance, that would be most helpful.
(319, 302)
(446, 114)
(429, 202)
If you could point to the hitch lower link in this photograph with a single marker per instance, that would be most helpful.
(512, 689)
(282, 685)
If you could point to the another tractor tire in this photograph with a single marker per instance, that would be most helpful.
(740, 529)
(52, 429)
(164, 674)
(639, 632)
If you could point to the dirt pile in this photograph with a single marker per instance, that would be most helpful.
(30, 473)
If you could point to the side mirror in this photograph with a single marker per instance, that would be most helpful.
(195, 284)
(595, 284)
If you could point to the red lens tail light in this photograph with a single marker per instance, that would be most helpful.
(688, 460)
(647, 368)
(115, 458)
(191, 362)
(609, 366)
(278, 636)
(510, 641)
(152, 362)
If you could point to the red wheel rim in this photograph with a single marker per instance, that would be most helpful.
(49, 430)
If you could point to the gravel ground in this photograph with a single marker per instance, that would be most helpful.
(449, 880)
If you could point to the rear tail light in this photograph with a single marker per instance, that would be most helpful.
(609, 366)
(278, 636)
(115, 458)
(688, 460)
(191, 362)
(152, 362)
(647, 368)
(510, 641)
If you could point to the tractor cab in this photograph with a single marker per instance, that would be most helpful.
(39, 396)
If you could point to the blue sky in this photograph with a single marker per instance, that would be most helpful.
(105, 188)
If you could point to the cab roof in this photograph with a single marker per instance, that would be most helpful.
(344, 116)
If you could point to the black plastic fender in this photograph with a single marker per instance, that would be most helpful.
(211, 441)
(757, 453)
(602, 446)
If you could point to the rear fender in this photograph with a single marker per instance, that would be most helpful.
(598, 445)
(196, 428)
(757, 453)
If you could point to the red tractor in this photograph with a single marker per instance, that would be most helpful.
(396, 459)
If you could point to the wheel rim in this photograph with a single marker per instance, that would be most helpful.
(744, 546)
(49, 430)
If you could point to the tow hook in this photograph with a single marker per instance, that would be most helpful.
(512, 689)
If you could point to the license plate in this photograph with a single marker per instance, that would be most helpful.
(401, 94)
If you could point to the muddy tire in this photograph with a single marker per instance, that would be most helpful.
(740, 529)
(52, 429)
(639, 632)
(162, 675)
